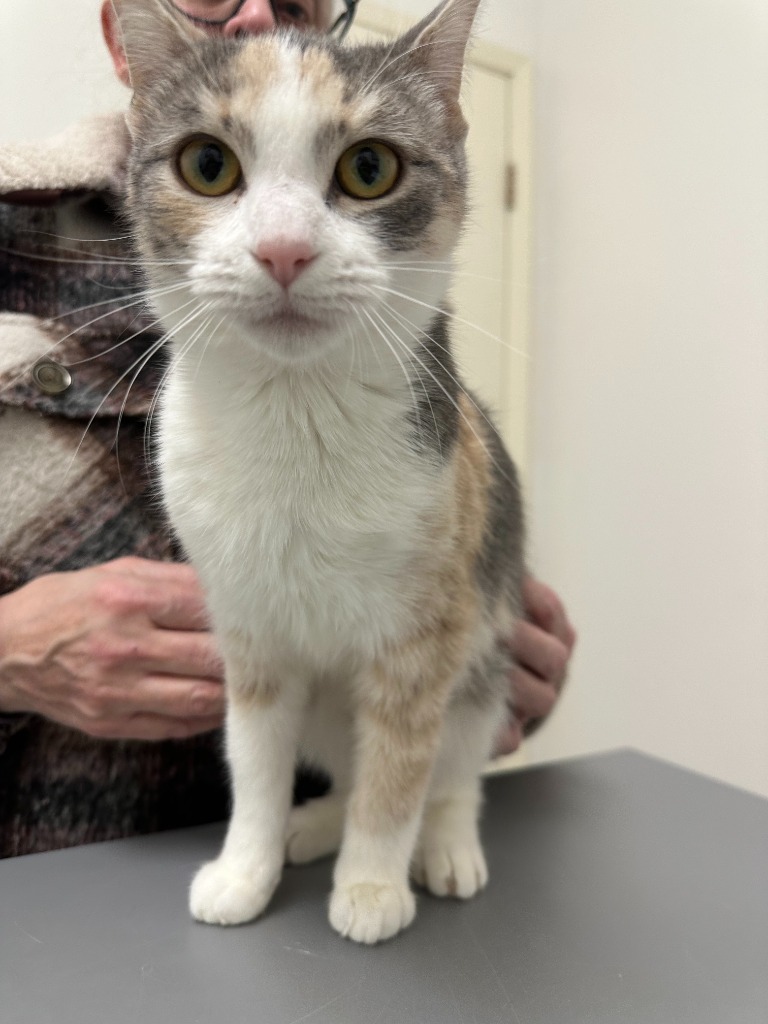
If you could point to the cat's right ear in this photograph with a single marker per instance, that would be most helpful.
(145, 37)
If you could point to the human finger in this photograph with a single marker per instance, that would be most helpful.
(149, 727)
(171, 652)
(509, 738)
(540, 653)
(531, 697)
(545, 609)
(152, 569)
(172, 697)
(180, 608)
(170, 593)
(134, 650)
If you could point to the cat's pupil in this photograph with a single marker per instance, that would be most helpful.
(368, 166)
(210, 163)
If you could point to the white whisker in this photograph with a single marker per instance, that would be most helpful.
(387, 327)
(98, 259)
(449, 271)
(450, 397)
(451, 316)
(145, 327)
(143, 359)
(406, 375)
(173, 365)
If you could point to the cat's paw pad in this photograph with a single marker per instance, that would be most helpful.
(314, 831)
(370, 912)
(222, 895)
(457, 870)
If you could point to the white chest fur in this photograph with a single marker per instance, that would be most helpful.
(300, 502)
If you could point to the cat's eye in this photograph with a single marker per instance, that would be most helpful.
(368, 170)
(209, 167)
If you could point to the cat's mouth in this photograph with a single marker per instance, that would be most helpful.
(290, 320)
(289, 333)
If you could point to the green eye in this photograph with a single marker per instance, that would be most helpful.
(368, 170)
(209, 167)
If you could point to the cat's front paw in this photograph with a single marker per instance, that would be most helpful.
(453, 869)
(221, 894)
(371, 912)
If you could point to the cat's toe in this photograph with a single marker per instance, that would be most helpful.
(458, 871)
(369, 912)
(314, 830)
(222, 895)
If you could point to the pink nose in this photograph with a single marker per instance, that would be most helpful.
(284, 259)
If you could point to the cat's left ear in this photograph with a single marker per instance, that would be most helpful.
(145, 37)
(437, 45)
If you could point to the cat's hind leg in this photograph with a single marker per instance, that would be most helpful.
(262, 735)
(315, 827)
(449, 858)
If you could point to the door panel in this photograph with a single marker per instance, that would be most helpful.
(493, 361)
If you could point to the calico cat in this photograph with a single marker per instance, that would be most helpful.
(352, 513)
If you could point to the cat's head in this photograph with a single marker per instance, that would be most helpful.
(290, 192)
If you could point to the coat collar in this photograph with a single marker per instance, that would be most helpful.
(90, 156)
(54, 197)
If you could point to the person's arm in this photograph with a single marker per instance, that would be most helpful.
(542, 645)
(118, 651)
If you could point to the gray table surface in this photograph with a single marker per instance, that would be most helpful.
(623, 890)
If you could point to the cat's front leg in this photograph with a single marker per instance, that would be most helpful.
(263, 722)
(399, 721)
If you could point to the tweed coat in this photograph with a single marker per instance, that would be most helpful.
(76, 484)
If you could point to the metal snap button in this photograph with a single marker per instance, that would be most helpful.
(52, 378)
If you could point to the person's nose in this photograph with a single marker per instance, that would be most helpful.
(253, 17)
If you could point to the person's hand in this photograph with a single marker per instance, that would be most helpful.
(542, 645)
(119, 651)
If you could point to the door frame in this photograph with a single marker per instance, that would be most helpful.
(515, 69)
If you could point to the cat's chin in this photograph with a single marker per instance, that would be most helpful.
(292, 337)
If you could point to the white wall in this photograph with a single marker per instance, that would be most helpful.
(650, 460)
(649, 497)
(649, 492)
(55, 67)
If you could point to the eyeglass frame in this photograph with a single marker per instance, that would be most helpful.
(340, 27)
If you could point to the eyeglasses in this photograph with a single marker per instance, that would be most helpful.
(296, 13)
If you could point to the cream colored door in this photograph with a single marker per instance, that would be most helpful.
(490, 292)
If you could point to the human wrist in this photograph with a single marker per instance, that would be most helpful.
(13, 717)
(9, 696)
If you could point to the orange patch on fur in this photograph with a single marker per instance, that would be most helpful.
(403, 701)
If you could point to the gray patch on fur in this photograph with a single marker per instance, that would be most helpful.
(402, 224)
(435, 417)
(487, 680)
(500, 565)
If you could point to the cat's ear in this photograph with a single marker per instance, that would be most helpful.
(148, 36)
(437, 46)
